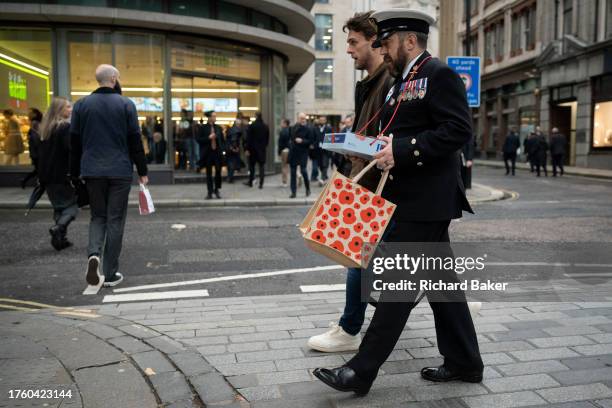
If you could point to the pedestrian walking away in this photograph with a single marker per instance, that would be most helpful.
(300, 138)
(234, 140)
(106, 143)
(557, 150)
(53, 167)
(427, 113)
(540, 150)
(509, 150)
(529, 145)
(212, 145)
(258, 137)
(323, 156)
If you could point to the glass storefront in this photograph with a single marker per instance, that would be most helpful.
(25, 83)
(602, 123)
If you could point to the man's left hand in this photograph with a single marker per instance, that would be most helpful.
(385, 156)
(468, 164)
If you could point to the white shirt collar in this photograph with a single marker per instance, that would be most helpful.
(410, 65)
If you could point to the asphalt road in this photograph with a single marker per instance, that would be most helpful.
(176, 245)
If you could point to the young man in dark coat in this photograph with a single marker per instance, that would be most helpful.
(212, 145)
(258, 137)
(511, 144)
(432, 123)
(540, 150)
(557, 150)
(529, 146)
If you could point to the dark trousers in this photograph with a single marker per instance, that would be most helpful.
(455, 332)
(557, 161)
(233, 164)
(510, 157)
(63, 200)
(215, 185)
(541, 162)
(532, 162)
(252, 163)
(298, 158)
(108, 201)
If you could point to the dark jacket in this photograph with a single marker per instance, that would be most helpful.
(320, 132)
(34, 142)
(511, 144)
(207, 154)
(258, 136)
(467, 151)
(105, 136)
(540, 147)
(54, 156)
(306, 134)
(283, 140)
(234, 139)
(160, 151)
(557, 144)
(432, 124)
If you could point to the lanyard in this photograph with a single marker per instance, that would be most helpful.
(413, 72)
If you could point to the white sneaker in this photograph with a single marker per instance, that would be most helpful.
(335, 339)
(93, 276)
(474, 309)
(117, 279)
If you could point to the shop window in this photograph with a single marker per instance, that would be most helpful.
(146, 5)
(323, 32)
(231, 12)
(87, 50)
(324, 72)
(602, 125)
(93, 3)
(25, 72)
(199, 8)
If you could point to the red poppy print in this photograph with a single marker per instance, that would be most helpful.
(358, 257)
(330, 235)
(381, 212)
(356, 244)
(337, 245)
(324, 216)
(327, 201)
(321, 225)
(368, 214)
(348, 186)
(374, 238)
(338, 184)
(374, 226)
(364, 199)
(358, 191)
(383, 223)
(357, 206)
(366, 233)
(334, 223)
(344, 233)
(349, 216)
(346, 197)
(358, 227)
(318, 236)
(320, 210)
(334, 194)
(334, 210)
(378, 201)
(389, 210)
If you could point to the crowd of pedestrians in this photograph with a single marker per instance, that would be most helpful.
(536, 147)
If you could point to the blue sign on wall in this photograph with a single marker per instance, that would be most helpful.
(468, 68)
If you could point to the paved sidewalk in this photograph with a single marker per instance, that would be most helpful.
(237, 194)
(569, 170)
(250, 352)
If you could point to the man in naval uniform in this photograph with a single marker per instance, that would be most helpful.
(424, 135)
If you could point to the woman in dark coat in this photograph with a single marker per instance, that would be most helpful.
(53, 168)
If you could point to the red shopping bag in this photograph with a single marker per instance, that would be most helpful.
(347, 221)
(145, 202)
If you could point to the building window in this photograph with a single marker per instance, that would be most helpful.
(25, 72)
(146, 5)
(499, 42)
(324, 72)
(489, 38)
(602, 125)
(473, 46)
(515, 48)
(199, 8)
(529, 29)
(261, 20)
(568, 11)
(231, 12)
(324, 32)
(494, 43)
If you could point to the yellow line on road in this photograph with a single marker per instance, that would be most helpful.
(30, 303)
(23, 309)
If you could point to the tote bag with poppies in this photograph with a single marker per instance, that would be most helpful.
(349, 221)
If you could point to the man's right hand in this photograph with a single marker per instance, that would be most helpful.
(299, 140)
(144, 180)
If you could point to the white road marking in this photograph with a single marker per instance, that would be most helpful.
(92, 290)
(593, 265)
(323, 288)
(177, 294)
(178, 226)
(588, 275)
(229, 278)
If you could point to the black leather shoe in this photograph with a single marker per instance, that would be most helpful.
(209, 196)
(217, 194)
(292, 195)
(444, 374)
(343, 379)
(307, 192)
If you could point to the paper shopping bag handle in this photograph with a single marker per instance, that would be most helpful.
(383, 178)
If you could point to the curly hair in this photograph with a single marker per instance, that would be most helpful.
(361, 23)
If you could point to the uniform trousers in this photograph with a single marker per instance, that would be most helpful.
(455, 332)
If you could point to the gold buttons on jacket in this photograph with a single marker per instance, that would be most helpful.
(413, 141)
(417, 153)
(419, 163)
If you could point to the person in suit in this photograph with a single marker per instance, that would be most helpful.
(557, 150)
(258, 137)
(301, 137)
(234, 139)
(283, 150)
(528, 147)
(539, 151)
(212, 144)
(323, 156)
(426, 121)
(511, 144)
